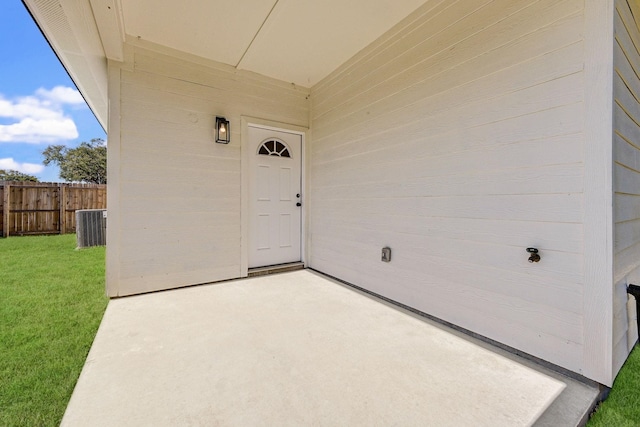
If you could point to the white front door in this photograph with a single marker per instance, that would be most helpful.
(275, 197)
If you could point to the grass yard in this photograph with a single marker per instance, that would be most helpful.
(51, 302)
(622, 407)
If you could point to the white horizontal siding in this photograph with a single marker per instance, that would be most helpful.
(457, 140)
(178, 200)
(626, 173)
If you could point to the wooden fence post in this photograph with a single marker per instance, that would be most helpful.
(62, 198)
(6, 210)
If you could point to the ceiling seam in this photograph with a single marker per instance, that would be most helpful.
(255, 36)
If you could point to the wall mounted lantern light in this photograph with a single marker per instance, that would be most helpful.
(223, 133)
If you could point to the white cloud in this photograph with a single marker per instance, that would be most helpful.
(29, 107)
(29, 168)
(39, 130)
(40, 118)
(61, 95)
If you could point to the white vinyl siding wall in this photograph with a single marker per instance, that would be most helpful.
(457, 140)
(178, 205)
(626, 114)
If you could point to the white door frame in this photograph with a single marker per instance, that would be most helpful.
(245, 121)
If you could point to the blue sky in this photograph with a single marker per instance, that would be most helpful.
(39, 104)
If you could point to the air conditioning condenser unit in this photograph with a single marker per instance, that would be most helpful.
(91, 227)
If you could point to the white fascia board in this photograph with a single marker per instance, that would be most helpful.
(108, 17)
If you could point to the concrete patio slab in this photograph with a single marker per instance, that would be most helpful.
(299, 349)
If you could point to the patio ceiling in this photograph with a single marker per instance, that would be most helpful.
(297, 41)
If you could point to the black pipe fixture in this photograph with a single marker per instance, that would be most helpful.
(534, 255)
(635, 291)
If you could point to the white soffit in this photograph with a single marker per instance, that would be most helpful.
(110, 27)
(218, 30)
(298, 41)
(303, 41)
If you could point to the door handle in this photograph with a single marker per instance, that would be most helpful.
(298, 204)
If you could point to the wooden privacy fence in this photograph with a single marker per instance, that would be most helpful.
(46, 207)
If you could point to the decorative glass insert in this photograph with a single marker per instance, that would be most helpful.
(273, 147)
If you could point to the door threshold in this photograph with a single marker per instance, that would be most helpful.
(278, 268)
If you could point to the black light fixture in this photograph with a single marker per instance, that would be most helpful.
(223, 133)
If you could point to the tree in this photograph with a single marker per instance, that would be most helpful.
(85, 163)
(12, 175)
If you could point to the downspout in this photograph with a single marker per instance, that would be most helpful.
(635, 291)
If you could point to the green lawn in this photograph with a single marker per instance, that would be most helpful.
(51, 302)
(622, 407)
